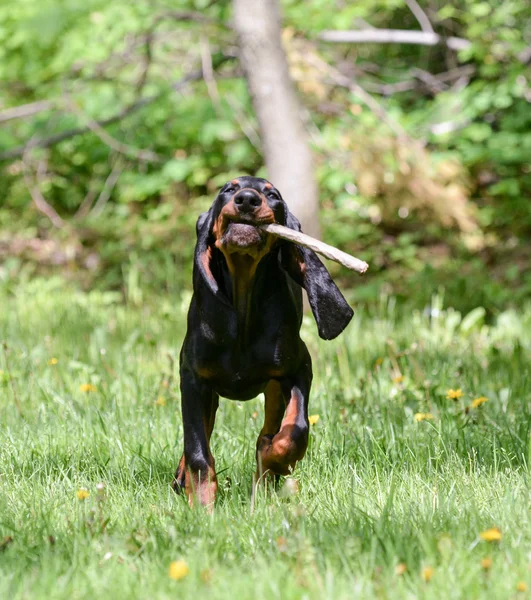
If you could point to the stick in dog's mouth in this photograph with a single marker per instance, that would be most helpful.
(351, 262)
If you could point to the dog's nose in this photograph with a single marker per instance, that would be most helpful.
(247, 201)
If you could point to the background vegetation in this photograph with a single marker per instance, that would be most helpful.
(430, 182)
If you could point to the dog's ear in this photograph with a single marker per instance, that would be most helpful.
(203, 252)
(330, 309)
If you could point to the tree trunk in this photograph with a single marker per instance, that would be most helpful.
(285, 146)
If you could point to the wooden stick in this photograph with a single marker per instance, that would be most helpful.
(352, 263)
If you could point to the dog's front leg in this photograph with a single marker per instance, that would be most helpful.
(284, 438)
(196, 472)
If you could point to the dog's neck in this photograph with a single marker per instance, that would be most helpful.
(242, 271)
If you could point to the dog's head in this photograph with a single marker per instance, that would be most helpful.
(231, 226)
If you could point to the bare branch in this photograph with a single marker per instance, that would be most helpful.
(388, 89)
(393, 36)
(148, 57)
(108, 187)
(420, 15)
(457, 73)
(34, 189)
(25, 110)
(433, 83)
(86, 204)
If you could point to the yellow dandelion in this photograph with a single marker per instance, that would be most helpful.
(400, 569)
(427, 573)
(491, 535)
(160, 401)
(454, 394)
(486, 563)
(423, 417)
(479, 401)
(52, 362)
(398, 379)
(82, 494)
(378, 361)
(313, 419)
(521, 586)
(178, 570)
(87, 387)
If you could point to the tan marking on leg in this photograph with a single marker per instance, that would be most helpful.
(201, 487)
(280, 454)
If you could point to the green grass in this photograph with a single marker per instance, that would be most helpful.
(377, 488)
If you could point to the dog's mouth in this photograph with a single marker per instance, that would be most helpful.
(243, 238)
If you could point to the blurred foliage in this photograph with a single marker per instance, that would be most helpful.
(432, 189)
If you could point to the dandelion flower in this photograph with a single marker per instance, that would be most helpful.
(398, 379)
(486, 563)
(178, 570)
(491, 535)
(521, 586)
(52, 362)
(87, 387)
(400, 569)
(313, 419)
(378, 361)
(454, 394)
(479, 401)
(82, 494)
(427, 573)
(423, 417)
(160, 401)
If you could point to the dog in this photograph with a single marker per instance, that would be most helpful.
(243, 331)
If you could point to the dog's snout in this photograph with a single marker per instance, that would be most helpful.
(247, 201)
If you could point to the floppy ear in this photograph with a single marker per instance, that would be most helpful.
(330, 309)
(203, 252)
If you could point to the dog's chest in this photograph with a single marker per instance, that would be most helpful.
(239, 365)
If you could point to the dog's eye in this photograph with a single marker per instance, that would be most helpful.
(230, 189)
(272, 195)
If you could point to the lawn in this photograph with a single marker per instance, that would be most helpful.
(399, 487)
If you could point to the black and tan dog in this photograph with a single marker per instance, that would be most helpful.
(243, 331)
